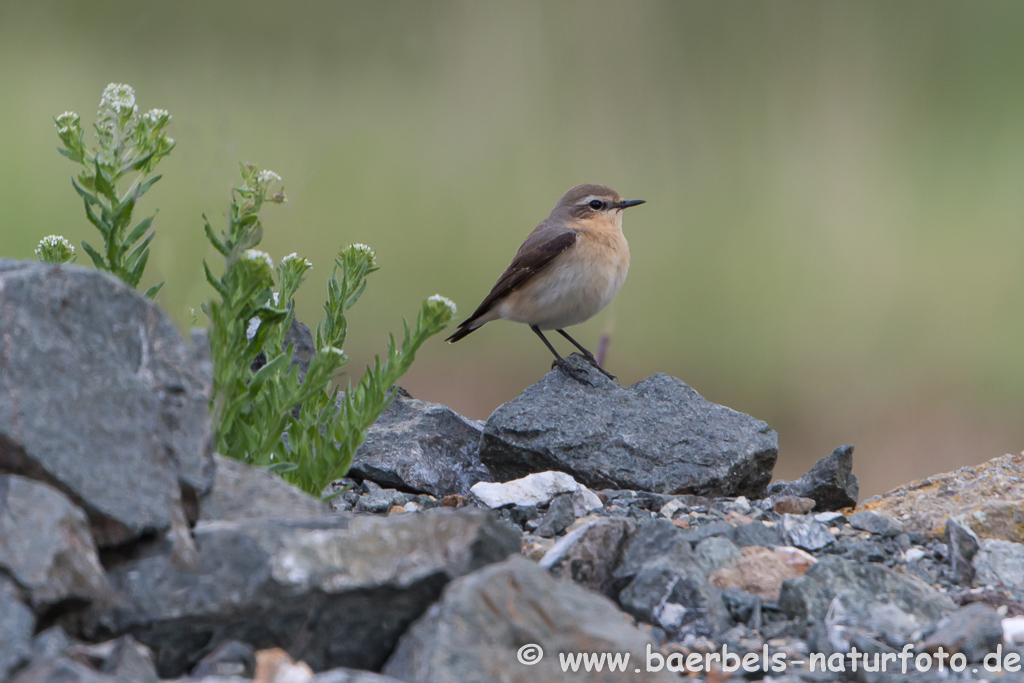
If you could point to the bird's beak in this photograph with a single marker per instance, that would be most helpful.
(626, 203)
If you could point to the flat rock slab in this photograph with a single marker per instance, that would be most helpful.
(988, 498)
(421, 447)
(102, 398)
(488, 623)
(332, 591)
(658, 435)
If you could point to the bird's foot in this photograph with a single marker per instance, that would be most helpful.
(569, 370)
(593, 361)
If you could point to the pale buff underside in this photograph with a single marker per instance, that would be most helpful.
(576, 285)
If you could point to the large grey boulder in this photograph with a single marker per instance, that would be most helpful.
(423, 448)
(333, 591)
(101, 398)
(241, 492)
(658, 435)
(45, 544)
(510, 622)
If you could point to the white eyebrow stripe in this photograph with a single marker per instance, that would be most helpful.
(589, 198)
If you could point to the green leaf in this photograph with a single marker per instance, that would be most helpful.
(267, 372)
(138, 254)
(135, 234)
(215, 282)
(97, 260)
(89, 197)
(103, 183)
(144, 187)
(282, 467)
(151, 292)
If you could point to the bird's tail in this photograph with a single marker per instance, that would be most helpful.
(464, 329)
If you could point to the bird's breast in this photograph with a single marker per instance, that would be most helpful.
(575, 287)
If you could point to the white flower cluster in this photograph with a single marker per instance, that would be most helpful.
(156, 117)
(295, 257)
(445, 301)
(65, 121)
(118, 97)
(54, 241)
(257, 255)
(266, 177)
(366, 250)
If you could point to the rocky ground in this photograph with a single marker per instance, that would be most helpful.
(578, 520)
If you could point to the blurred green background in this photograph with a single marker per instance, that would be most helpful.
(834, 234)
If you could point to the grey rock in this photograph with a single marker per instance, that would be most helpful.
(300, 339)
(589, 555)
(870, 592)
(101, 398)
(962, 546)
(130, 661)
(756, 533)
(17, 623)
(658, 435)
(658, 539)
(696, 534)
(352, 676)
(974, 630)
(677, 598)
(875, 523)
(241, 491)
(334, 591)
(560, 514)
(999, 563)
(830, 483)
(45, 544)
(421, 447)
(716, 552)
(229, 658)
(805, 533)
(381, 500)
(62, 670)
(458, 642)
(50, 644)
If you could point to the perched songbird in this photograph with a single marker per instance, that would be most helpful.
(569, 268)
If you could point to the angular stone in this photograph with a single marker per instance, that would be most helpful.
(241, 492)
(716, 552)
(831, 483)
(229, 658)
(589, 554)
(875, 523)
(658, 539)
(806, 533)
(349, 584)
(999, 563)
(677, 598)
(756, 533)
(534, 489)
(101, 398)
(963, 546)
(421, 447)
(528, 612)
(658, 435)
(559, 515)
(45, 544)
(17, 623)
(870, 590)
(988, 497)
(974, 630)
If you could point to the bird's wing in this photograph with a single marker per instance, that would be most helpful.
(536, 254)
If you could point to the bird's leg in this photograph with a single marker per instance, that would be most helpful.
(586, 354)
(560, 362)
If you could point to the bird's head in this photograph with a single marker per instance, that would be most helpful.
(590, 202)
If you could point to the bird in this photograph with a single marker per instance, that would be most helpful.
(568, 269)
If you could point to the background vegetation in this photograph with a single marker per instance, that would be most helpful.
(834, 234)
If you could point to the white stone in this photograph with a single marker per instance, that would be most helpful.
(534, 489)
(669, 509)
(827, 517)
(914, 554)
(585, 501)
(1013, 631)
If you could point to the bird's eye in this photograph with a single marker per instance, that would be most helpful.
(596, 204)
